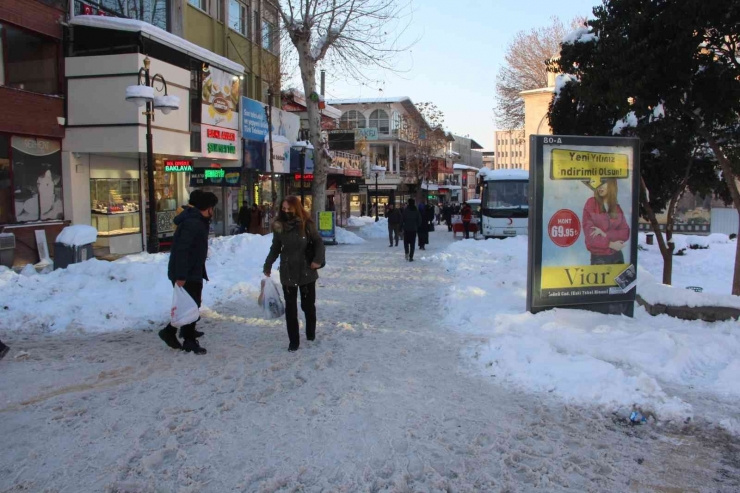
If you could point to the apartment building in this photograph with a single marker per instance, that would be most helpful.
(510, 149)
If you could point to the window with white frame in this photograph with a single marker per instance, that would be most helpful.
(379, 119)
(239, 17)
(352, 119)
(219, 10)
(395, 122)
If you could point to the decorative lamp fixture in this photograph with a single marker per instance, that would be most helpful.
(166, 103)
(139, 94)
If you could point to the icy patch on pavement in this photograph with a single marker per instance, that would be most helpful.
(131, 293)
(582, 357)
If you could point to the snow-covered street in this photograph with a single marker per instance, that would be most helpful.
(390, 398)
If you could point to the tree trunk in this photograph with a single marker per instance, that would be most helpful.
(729, 176)
(308, 75)
(666, 249)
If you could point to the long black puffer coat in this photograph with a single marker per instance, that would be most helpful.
(289, 241)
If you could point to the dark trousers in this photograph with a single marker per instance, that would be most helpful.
(448, 220)
(394, 230)
(308, 305)
(466, 228)
(195, 290)
(409, 242)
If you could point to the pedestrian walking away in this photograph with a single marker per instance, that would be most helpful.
(295, 239)
(3, 350)
(467, 217)
(243, 219)
(187, 265)
(437, 213)
(423, 232)
(447, 212)
(394, 224)
(411, 224)
(255, 220)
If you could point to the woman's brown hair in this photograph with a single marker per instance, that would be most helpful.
(609, 203)
(295, 205)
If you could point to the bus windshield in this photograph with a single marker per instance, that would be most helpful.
(506, 195)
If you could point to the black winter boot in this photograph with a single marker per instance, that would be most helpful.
(169, 336)
(3, 350)
(293, 348)
(191, 345)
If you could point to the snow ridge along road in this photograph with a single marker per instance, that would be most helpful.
(381, 402)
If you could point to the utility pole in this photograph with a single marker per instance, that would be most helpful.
(268, 113)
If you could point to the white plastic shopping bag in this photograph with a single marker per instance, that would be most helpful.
(270, 300)
(184, 309)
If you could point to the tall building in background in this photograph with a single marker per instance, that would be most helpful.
(468, 151)
(510, 149)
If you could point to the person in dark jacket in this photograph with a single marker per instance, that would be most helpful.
(447, 212)
(243, 219)
(423, 230)
(394, 223)
(292, 231)
(411, 224)
(3, 350)
(255, 220)
(187, 265)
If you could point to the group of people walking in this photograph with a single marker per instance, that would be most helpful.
(296, 241)
(411, 222)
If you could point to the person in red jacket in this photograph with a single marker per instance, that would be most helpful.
(467, 217)
(604, 225)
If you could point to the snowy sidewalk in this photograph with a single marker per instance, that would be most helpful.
(382, 401)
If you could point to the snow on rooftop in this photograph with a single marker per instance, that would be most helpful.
(398, 99)
(464, 166)
(160, 35)
(503, 174)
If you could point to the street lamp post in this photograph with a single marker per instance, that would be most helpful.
(143, 94)
(378, 170)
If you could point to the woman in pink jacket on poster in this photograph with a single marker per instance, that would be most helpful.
(604, 225)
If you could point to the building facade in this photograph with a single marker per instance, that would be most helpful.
(32, 190)
(489, 159)
(510, 149)
(468, 151)
(536, 106)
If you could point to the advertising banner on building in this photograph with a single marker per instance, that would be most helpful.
(285, 127)
(220, 99)
(37, 180)
(583, 223)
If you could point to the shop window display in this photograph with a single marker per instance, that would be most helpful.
(115, 206)
(37, 179)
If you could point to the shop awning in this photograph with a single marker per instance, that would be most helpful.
(159, 35)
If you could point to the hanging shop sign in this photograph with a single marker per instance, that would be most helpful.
(178, 166)
(366, 133)
(295, 161)
(220, 143)
(215, 175)
(306, 177)
(583, 223)
(325, 222)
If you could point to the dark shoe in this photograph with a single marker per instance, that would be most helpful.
(191, 332)
(411, 260)
(293, 348)
(311, 337)
(407, 256)
(169, 336)
(391, 245)
(192, 346)
(198, 333)
(3, 350)
(396, 243)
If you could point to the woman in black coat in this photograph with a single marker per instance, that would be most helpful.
(293, 231)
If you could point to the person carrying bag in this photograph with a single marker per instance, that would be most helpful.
(301, 250)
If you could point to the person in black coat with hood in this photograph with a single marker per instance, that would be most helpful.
(411, 224)
(187, 265)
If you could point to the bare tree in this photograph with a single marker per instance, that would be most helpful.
(525, 69)
(349, 35)
(429, 139)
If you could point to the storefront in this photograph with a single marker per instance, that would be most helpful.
(223, 179)
(104, 153)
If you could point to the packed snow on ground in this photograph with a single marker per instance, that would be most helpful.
(375, 229)
(345, 237)
(612, 362)
(98, 296)
(78, 235)
(358, 222)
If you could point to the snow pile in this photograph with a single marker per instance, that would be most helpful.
(629, 121)
(561, 80)
(580, 35)
(345, 237)
(375, 230)
(78, 235)
(358, 222)
(586, 358)
(654, 292)
(131, 293)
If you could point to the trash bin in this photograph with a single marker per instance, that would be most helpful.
(7, 249)
(74, 245)
(649, 238)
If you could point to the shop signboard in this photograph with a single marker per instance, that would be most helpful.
(583, 223)
(220, 99)
(285, 127)
(220, 143)
(366, 133)
(325, 222)
(36, 172)
(295, 161)
(178, 166)
(254, 155)
(215, 175)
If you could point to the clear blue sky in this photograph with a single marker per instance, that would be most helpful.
(455, 62)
